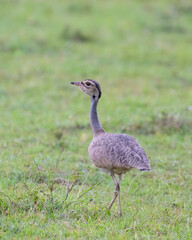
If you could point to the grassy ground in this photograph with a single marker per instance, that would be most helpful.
(140, 52)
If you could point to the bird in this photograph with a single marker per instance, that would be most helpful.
(113, 153)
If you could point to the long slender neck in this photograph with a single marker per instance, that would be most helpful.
(95, 124)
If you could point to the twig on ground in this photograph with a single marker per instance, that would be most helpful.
(69, 189)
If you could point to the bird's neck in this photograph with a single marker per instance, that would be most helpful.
(95, 124)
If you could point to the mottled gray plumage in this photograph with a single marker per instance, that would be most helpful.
(117, 153)
(112, 152)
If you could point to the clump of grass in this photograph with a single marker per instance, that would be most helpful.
(39, 190)
(59, 131)
(76, 35)
(82, 8)
(164, 123)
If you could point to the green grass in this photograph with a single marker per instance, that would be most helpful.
(140, 52)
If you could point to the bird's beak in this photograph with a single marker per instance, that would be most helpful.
(76, 83)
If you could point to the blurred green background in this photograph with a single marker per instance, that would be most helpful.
(140, 52)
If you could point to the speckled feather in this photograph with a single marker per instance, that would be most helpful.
(118, 153)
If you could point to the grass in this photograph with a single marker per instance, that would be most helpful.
(140, 52)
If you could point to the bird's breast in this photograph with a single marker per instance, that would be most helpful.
(99, 155)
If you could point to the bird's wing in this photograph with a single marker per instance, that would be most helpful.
(129, 152)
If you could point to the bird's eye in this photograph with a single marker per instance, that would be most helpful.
(87, 84)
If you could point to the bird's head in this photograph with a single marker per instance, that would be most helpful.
(90, 87)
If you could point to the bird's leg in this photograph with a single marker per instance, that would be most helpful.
(116, 191)
(120, 178)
